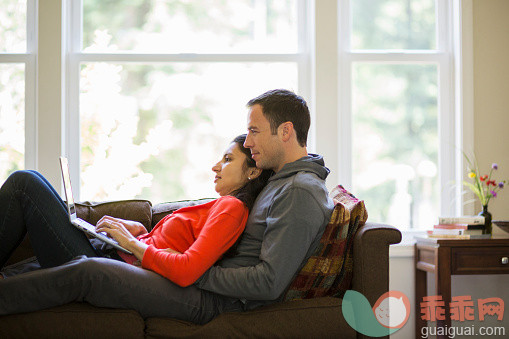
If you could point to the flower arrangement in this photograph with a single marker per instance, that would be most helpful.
(483, 186)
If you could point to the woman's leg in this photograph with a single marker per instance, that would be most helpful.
(110, 283)
(28, 203)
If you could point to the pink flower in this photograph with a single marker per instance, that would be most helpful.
(494, 194)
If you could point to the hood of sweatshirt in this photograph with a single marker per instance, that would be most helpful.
(311, 163)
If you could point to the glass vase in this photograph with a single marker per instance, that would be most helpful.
(488, 229)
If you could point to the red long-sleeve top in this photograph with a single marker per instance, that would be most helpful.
(202, 234)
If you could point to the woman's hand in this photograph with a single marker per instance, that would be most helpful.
(118, 229)
(134, 227)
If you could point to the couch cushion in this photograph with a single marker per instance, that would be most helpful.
(159, 211)
(76, 320)
(137, 210)
(312, 318)
(328, 272)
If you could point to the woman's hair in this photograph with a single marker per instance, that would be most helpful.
(248, 193)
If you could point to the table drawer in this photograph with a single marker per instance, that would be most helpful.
(480, 260)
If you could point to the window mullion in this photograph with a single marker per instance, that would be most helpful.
(305, 10)
(49, 90)
(443, 30)
(447, 117)
(72, 116)
(30, 87)
(446, 132)
(345, 95)
(462, 22)
(325, 81)
(345, 123)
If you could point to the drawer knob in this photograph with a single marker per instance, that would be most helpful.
(505, 260)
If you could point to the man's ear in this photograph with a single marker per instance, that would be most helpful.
(286, 130)
(254, 172)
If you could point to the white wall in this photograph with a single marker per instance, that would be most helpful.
(401, 278)
(491, 93)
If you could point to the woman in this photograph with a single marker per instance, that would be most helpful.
(181, 247)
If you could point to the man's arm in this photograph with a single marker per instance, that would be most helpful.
(294, 221)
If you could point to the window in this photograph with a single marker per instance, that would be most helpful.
(396, 85)
(162, 85)
(17, 74)
(144, 96)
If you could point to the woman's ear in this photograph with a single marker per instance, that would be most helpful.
(253, 173)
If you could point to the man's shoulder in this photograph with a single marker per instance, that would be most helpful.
(306, 181)
(308, 173)
(301, 183)
(301, 192)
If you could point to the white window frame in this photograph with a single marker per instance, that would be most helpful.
(453, 58)
(76, 57)
(321, 82)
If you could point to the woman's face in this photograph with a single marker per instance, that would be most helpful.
(231, 171)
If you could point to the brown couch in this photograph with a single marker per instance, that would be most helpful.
(310, 318)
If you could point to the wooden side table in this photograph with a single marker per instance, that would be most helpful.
(446, 257)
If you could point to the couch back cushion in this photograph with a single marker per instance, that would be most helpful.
(137, 210)
(159, 211)
(328, 272)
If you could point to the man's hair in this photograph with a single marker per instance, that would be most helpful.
(281, 105)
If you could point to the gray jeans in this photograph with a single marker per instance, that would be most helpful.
(110, 283)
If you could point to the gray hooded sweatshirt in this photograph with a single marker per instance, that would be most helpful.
(283, 229)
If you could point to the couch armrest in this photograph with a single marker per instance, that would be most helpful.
(371, 259)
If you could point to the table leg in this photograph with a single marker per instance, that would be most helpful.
(421, 289)
(443, 282)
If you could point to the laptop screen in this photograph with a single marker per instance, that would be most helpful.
(64, 164)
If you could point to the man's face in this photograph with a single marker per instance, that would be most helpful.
(266, 148)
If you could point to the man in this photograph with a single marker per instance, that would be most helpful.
(289, 215)
(284, 227)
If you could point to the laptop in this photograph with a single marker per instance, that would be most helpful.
(71, 208)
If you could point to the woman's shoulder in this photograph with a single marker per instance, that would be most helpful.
(229, 201)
